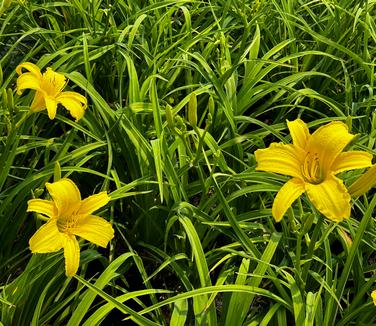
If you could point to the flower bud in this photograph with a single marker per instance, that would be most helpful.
(364, 183)
(192, 110)
(169, 116)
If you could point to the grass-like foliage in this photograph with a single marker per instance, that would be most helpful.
(181, 93)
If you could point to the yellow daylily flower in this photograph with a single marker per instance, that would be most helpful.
(49, 91)
(373, 295)
(313, 161)
(69, 216)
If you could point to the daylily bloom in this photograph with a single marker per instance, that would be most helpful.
(69, 216)
(49, 91)
(313, 161)
(373, 295)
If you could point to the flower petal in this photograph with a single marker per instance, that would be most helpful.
(71, 254)
(373, 295)
(364, 183)
(38, 103)
(75, 103)
(94, 202)
(66, 196)
(53, 82)
(27, 81)
(51, 105)
(47, 238)
(328, 142)
(331, 198)
(34, 69)
(45, 207)
(74, 96)
(94, 229)
(280, 158)
(289, 192)
(299, 132)
(351, 160)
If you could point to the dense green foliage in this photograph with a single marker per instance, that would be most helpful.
(181, 93)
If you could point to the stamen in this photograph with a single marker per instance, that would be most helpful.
(311, 170)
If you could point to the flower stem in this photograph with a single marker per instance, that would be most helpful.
(23, 119)
(311, 248)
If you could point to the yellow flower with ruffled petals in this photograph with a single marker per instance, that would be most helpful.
(313, 161)
(69, 216)
(49, 91)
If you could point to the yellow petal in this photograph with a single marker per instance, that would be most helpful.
(328, 142)
(38, 103)
(351, 160)
(45, 207)
(27, 81)
(51, 105)
(66, 196)
(75, 103)
(94, 229)
(331, 198)
(71, 254)
(46, 239)
(373, 295)
(34, 69)
(299, 132)
(75, 96)
(289, 192)
(280, 158)
(53, 82)
(364, 183)
(94, 202)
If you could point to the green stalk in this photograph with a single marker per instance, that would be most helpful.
(311, 249)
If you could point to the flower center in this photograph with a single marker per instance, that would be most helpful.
(65, 225)
(311, 170)
(53, 83)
